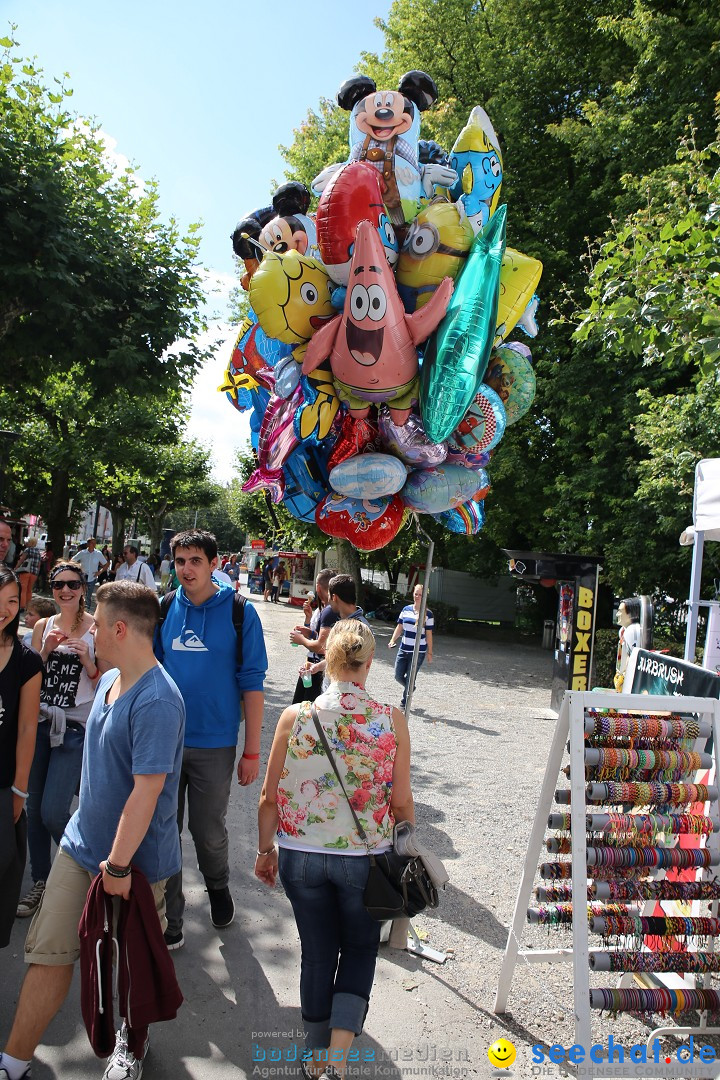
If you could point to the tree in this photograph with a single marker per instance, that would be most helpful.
(89, 271)
(641, 387)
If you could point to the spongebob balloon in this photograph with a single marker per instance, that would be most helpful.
(477, 160)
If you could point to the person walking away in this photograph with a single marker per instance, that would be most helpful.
(28, 568)
(407, 629)
(47, 561)
(20, 682)
(211, 643)
(267, 575)
(232, 569)
(66, 647)
(40, 607)
(126, 815)
(313, 635)
(165, 572)
(133, 569)
(322, 862)
(92, 562)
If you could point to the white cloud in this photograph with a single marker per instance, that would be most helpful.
(213, 420)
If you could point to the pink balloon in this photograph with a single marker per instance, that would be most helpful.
(276, 442)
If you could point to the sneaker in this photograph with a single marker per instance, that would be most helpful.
(30, 903)
(174, 941)
(222, 908)
(330, 1073)
(5, 1075)
(122, 1065)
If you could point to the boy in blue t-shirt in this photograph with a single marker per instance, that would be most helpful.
(127, 813)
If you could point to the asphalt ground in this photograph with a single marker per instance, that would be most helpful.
(481, 730)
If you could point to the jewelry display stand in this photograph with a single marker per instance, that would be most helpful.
(578, 714)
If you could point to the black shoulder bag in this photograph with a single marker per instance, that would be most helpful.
(396, 886)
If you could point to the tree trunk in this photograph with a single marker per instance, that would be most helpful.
(58, 518)
(119, 520)
(348, 562)
(155, 524)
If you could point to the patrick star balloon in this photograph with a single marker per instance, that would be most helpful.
(373, 345)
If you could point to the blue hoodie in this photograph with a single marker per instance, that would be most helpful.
(197, 648)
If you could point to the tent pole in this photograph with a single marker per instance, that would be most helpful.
(694, 601)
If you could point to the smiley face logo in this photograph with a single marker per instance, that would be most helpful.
(501, 1054)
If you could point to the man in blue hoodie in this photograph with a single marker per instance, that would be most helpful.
(197, 644)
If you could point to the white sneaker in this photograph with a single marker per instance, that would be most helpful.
(5, 1075)
(122, 1065)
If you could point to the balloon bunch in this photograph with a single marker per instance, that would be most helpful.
(375, 358)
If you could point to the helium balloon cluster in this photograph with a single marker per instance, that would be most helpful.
(375, 359)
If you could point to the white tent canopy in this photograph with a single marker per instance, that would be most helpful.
(705, 526)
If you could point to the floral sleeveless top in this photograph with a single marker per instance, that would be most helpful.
(313, 813)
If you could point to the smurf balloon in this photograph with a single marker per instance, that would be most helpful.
(477, 160)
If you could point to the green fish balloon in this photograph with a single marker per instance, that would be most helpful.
(457, 354)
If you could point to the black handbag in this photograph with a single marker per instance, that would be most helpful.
(396, 886)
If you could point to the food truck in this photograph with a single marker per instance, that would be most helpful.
(299, 570)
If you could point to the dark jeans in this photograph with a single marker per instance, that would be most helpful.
(53, 783)
(205, 782)
(13, 849)
(339, 941)
(403, 660)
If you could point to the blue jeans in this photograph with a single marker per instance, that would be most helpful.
(403, 660)
(54, 779)
(339, 941)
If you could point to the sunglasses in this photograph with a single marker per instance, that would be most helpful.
(66, 584)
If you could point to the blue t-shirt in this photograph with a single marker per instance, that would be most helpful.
(139, 734)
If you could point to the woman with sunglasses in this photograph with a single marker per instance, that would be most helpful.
(20, 679)
(67, 650)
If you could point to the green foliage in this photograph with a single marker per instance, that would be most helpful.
(605, 657)
(97, 294)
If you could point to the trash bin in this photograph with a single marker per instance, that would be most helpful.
(548, 638)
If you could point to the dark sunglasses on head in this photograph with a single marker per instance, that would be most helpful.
(65, 584)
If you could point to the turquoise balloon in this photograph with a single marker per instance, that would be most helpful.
(458, 352)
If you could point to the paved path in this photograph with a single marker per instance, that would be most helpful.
(481, 729)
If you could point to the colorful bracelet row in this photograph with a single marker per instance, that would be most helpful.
(659, 1000)
(560, 914)
(639, 742)
(647, 725)
(649, 824)
(646, 794)
(606, 845)
(682, 962)
(554, 871)
(611, 924)
(657, 858)
(657, 890)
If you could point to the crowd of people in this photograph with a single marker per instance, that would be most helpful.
(139, 707)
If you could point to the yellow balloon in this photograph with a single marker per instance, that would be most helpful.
(519, 277)
(436, 247)
(290, 294)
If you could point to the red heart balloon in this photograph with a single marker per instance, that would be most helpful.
(367, 523)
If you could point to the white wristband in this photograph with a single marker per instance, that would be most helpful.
(19, 793)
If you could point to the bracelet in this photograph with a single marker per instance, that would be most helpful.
(270, 852)
(251, 757)
(117, 871)
(19, 793)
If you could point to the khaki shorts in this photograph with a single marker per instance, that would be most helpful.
(52, 939)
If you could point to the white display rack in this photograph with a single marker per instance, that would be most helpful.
(571, 722)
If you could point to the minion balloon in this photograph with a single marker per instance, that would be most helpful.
(436, 247)
(477, 160)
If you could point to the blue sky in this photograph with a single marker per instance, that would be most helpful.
(200, 95)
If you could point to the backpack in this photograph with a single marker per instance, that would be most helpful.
(238, 617)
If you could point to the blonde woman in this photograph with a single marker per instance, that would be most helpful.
(27, 570)
(67, 650)
(322, 862)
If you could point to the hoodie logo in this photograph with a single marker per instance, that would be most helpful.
(188, 641)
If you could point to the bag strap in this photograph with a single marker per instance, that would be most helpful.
(331, 758)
